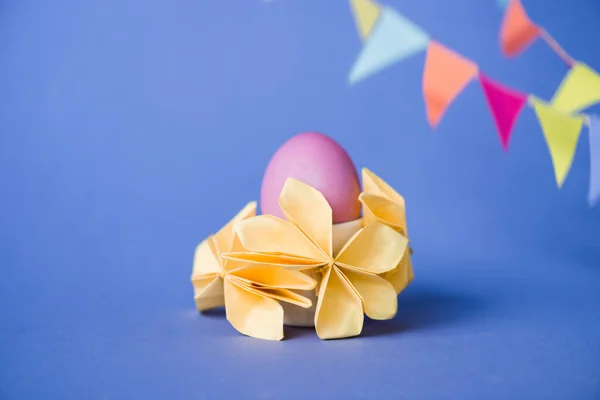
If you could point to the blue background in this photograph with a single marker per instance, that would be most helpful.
(131, 129)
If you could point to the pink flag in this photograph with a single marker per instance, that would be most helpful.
(505, 104)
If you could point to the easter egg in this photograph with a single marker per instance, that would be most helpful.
(318, 161)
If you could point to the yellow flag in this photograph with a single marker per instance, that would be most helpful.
(562, 133)
(366, 13)
(579, 89)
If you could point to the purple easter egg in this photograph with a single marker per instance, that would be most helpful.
(320, 162)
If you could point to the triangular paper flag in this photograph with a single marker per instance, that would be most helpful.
(579, 89)
(365, 13)
(505, 105)
(594, 132)
(392, 39)
(445, 75)
(517, 30)
(562, 133)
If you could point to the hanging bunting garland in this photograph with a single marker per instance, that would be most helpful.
(389, 38)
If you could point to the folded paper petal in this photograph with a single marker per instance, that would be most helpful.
(226, 235)
(280, 260)
(343, 232)
(208, 292)
(377, 248)
(376, 194)
(410, 271)
(205, 258)
(380, 300)
(284, 295)
(279, 294)
(308, 209)
(236, 247)
(373, 184)
(269, 234)
(339, 308)
(252, 314)
(401, 276)
(273, 277)
(385, 211)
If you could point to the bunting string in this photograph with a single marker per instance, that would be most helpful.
(554, 45)
(518, 27)
(389, 37)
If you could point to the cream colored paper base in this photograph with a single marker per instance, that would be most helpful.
(305, 317)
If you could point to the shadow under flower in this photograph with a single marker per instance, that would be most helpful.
(425, 308)
(218, 312)
(419, 308)
(293, 332)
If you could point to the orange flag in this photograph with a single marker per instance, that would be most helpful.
(517, 30)
(446, 74)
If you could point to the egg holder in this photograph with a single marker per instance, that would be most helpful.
(303, 270)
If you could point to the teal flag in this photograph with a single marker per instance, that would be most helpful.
(393, 39)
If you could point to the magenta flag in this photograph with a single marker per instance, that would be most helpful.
(505, 105)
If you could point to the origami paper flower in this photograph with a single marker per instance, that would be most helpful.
(250, 293)
(383, 204)
(350, 286)
(209, 267)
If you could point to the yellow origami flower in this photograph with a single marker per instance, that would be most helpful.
(350, 286)
(209, 267)
(250, 293)
(383, 204)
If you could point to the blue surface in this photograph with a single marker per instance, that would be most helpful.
(130, 129)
